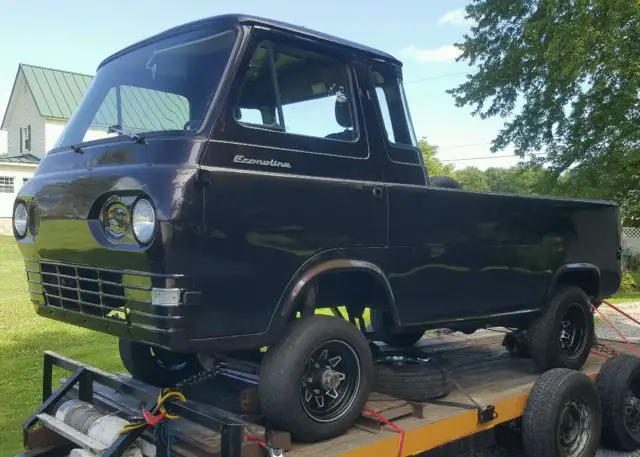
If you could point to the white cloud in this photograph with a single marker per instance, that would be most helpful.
(455, 17)
(446, 53)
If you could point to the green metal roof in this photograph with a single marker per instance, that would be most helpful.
(58, 93)
(22, 158)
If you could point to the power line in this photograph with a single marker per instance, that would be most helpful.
(431, 78)
(487, 157)
(457, 146)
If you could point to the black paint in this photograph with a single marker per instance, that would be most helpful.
(242, 238)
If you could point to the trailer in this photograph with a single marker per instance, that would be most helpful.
(496, 393)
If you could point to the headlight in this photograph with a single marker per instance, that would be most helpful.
(20, 219)
(143, 220)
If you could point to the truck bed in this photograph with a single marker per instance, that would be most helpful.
(478, 364)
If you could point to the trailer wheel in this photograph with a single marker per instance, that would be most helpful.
(410, 378)
(381, 324)
(562, 336)
(619, 388)
(156, 366)
(315, 382)
(562, 416)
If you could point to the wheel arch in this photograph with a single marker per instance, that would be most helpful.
(583, 275)
(314, 272)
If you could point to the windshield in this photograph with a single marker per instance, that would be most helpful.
(162, 88)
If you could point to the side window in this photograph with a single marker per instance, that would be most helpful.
(393, 108)
(297, 91)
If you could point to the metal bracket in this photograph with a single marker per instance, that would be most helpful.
(487, 414)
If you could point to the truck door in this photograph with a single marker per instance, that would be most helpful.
(290, 176)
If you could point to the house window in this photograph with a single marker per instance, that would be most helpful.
(6, 184)
(25, 139)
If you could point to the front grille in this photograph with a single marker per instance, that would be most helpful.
(88, 290)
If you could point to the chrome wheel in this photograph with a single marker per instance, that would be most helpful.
(330, 381)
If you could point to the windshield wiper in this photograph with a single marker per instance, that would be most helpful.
(117, 129)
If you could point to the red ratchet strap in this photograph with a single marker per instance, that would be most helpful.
(615, 329)
(255, 439)
(151, 419)
(386, 421)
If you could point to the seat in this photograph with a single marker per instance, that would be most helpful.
(344, 119)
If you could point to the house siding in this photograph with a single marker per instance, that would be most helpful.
(24, 113)
(18, 173)
(52, 130)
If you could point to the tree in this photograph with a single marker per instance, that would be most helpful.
(522, 179)
(472, 178)
(434, 166)
(568, 72)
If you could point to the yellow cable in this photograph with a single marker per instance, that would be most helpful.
(163, 396)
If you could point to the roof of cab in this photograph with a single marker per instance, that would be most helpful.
(236, 19)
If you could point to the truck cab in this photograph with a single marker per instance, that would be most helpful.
(224, 180)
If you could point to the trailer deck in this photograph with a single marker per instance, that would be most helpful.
(484, 371)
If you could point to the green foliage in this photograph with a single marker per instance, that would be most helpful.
(472, 178)
(434, 166)
(630, 260)
(566, 76)
(628, 283)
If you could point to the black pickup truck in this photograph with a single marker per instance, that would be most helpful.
(224, 180)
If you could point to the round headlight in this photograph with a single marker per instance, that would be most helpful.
(143, 220)
(20, 219)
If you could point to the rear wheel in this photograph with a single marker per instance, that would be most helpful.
(156, 366)
(315, 382)
(382, 325)
(562, 336)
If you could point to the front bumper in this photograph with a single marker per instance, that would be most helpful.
(115, 302)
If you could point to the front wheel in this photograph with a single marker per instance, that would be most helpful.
(156, 366)
(315, 382)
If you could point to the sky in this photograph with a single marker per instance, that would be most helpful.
(76, 35)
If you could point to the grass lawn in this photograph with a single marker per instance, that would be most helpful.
(23, 338)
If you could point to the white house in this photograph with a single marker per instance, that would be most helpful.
(41, 102)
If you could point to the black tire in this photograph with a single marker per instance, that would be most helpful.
(410, 379)
(548, 342)
(382, 325)
(294, 406)
(444, 181)
(619, 388)
(156, 366)
(562, 416)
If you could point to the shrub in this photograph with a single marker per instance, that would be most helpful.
(630, 260)
(628, 283)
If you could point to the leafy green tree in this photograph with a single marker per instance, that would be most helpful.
(472, 178)
(567, 73)
(434, 166)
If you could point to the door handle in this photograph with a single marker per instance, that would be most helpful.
(377, 192)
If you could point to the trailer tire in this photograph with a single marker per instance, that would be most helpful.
(619, 388)
(315, 382)
(155, 366)
(551, 341)
(410, 379)
(562, 416)
(381, 324)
